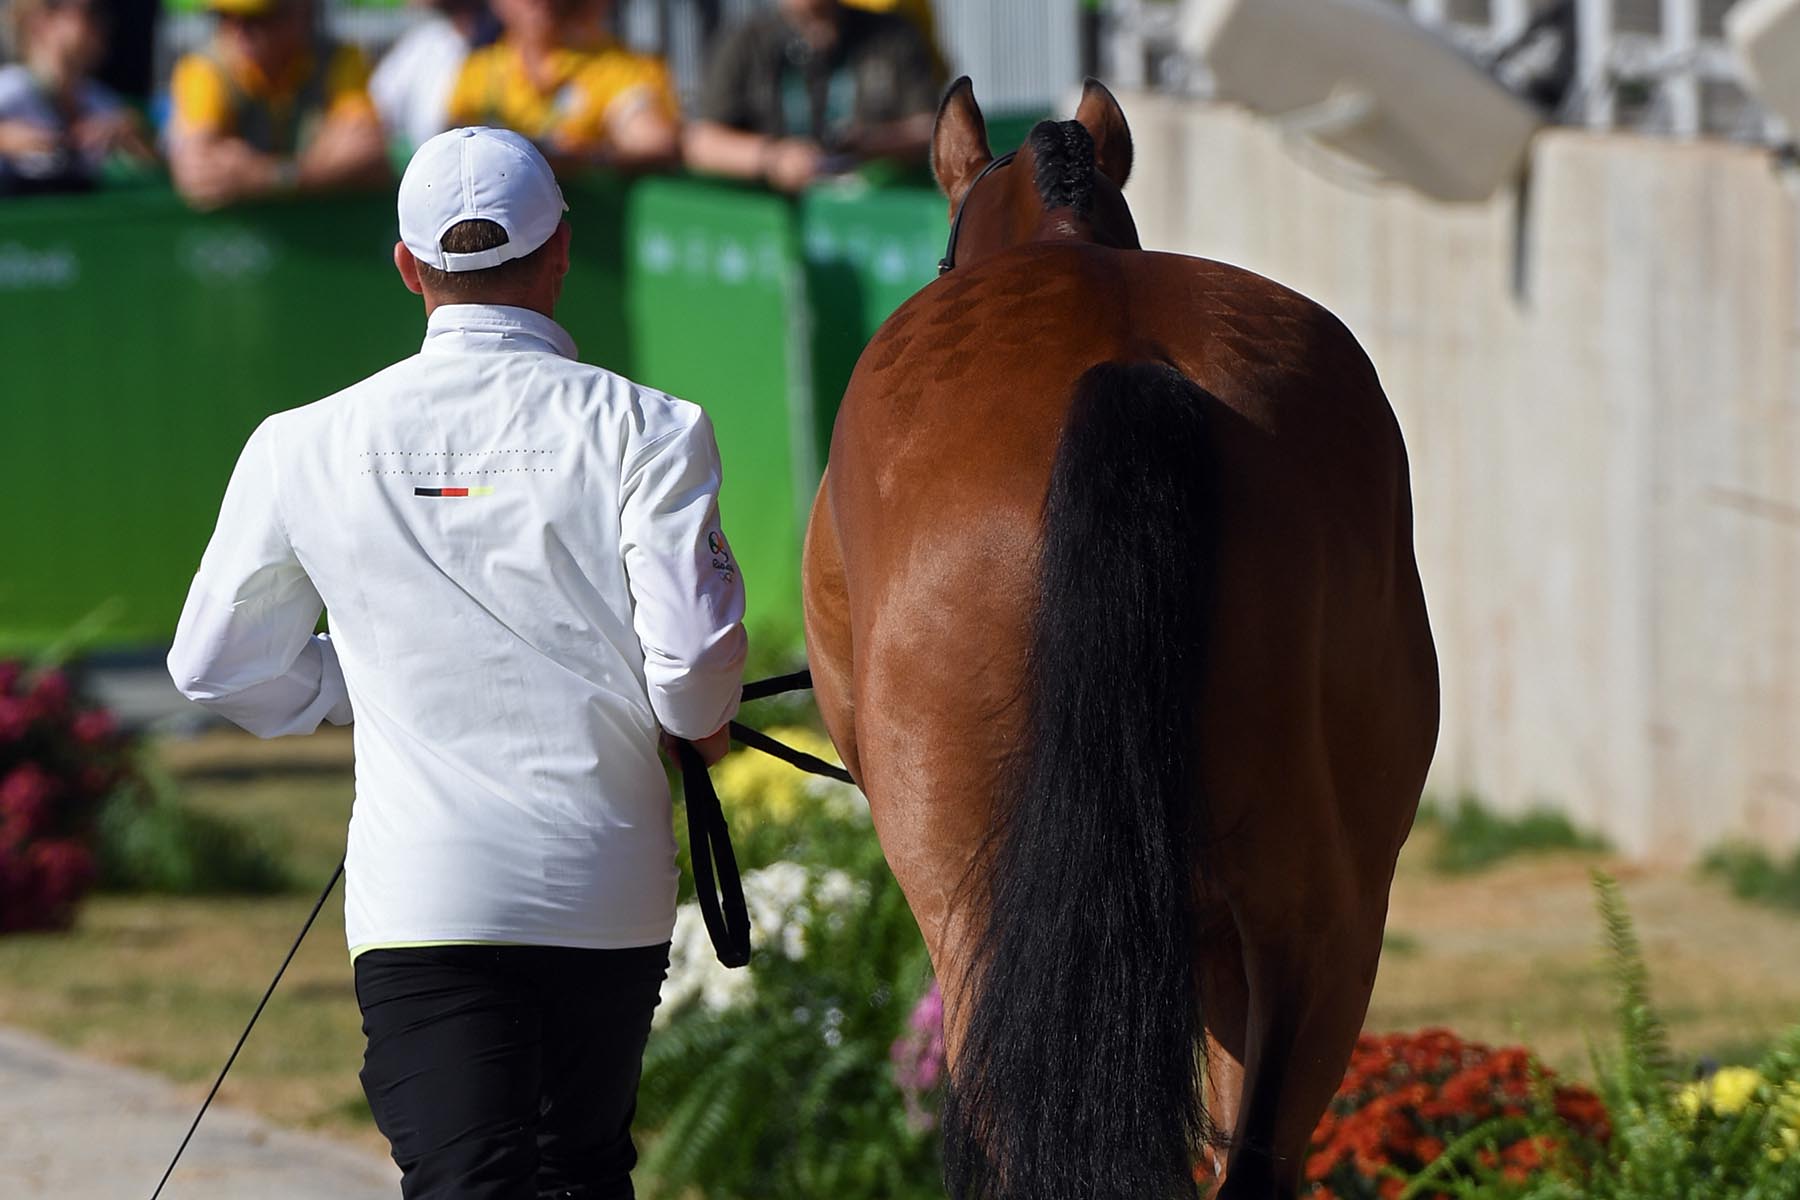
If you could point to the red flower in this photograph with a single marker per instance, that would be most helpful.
(25, 796)
(15, 718)
(10, 671)
(94, 727)
(49, 696)
(1404, 1098)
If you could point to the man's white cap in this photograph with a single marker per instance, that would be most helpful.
(478, 173)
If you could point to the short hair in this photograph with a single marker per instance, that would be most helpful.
(467, 237)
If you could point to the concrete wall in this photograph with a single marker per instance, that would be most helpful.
(1601, 400)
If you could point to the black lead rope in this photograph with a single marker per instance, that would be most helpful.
(245, 1036)
(719, 887)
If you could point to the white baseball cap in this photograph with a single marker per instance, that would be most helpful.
(484, 174)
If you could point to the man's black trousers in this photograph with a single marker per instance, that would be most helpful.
(508, 1072)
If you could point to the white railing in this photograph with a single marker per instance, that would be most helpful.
(1656, 66)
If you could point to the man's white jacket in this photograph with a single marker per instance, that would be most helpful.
(527, 580)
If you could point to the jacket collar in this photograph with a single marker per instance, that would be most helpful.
(506, 327)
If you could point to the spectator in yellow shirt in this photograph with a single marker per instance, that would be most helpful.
(558, 78)
(271, 107)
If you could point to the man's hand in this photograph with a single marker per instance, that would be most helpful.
(712, 747)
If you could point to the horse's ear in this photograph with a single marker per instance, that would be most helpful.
(959, 145)
(1101, 116)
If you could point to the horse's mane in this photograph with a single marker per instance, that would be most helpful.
(1064, 174)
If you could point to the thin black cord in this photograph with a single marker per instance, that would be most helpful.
(310, 918)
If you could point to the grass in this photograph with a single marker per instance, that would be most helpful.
(1757, 876)
(1472, 837)
(166, 983)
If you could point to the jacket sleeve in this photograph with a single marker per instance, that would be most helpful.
(245, 646)
(686, 588)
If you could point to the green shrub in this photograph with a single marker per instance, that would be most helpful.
(147, 840)
(1472, 837)
(776, 1080)
(1757, 876)
(1732, 1136)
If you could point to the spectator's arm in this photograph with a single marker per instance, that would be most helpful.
(112, 127)
(687, 588)
(643, 125)
(350, 149)
(245, 646)
(789, 164)
(907, 138)
(723, 142)
(20, 138)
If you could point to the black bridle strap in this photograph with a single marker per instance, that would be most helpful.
(947, 263)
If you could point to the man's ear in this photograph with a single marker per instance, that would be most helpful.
(408, 266)
(1102, 117)
(959, 145)
(562, 237)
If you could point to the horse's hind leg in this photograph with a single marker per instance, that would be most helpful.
(1225, 1007)
(1309, 985)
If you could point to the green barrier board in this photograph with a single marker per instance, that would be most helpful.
(717, 317)
(140, 343)
(866, 253)
(140, 347)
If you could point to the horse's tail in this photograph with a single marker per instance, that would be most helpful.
(1077, 1073)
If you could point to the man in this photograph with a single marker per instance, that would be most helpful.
(560, 79)
(528, 585)
(811, 88)
(270, 108)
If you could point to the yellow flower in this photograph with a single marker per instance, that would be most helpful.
(1727, 1091)
(1732, 1089)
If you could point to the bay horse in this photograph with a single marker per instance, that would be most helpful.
(1113, 613)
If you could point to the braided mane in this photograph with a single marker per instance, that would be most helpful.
(1064, 175)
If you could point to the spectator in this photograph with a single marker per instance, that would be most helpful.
(558, 78)
(413, 83)
(921, 14)
(811, 88)
(58, 127)
(271, 107)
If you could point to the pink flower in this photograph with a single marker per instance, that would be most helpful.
(25, 796)
(50, 694)
(918, 1057)
(94, 726)
(10, 670)
(15, 717)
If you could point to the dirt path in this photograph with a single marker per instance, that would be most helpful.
(1515, 954)
(73, 1129)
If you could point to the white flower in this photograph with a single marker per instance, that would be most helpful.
(783, 899)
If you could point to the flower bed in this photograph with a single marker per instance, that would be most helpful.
(1407, 1098)
(59, 759)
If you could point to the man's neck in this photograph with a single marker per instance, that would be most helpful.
(433, 303)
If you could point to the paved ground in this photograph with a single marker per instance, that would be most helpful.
(77, 1130)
